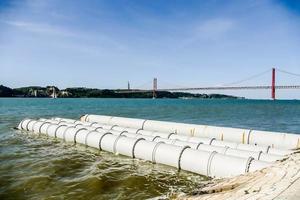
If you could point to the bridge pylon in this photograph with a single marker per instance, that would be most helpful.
(273, 84)
(154, 88)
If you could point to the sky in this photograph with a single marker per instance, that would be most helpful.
(188, 43)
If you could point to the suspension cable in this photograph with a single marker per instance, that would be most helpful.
(247, 79)
(286, 72)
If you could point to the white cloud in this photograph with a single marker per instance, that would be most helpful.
(41, 28)
(214, 28)
(208, 31)
(76, 39)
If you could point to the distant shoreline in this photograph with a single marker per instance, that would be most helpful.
(81, 92)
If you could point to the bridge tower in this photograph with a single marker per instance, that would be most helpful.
(273, 84)
(154, 88)
(128, 85)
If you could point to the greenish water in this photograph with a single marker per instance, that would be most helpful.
(34, 167)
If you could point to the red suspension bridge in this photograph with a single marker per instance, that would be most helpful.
(273, 87)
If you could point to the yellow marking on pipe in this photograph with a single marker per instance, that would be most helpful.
(243, 140)
(222, 137)
(192, 132)
(298, 143)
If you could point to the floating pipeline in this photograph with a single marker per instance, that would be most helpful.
(243, 136)
(209, 163)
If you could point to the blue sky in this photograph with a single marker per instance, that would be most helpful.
(103, 44)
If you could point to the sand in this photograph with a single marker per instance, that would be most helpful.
(280, 181)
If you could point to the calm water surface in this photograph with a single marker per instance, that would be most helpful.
(34, 167)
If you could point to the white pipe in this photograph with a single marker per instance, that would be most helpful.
(60, 131)
(37, 125)
(137, 147)
(107, 142)
(275, 139)
(244, 154)
(252, 150)
(146, 137)
(127, 122)
(63, 120)
(168, 154)
(93, 139)
(192, 139)
(118, 128)
(219, 143)
(51, 130)
(211, 141)
(244, 136)
(144, 150)
(226, 134)
(188, 161)
(223, 148)
(270, 157)
(252, 147)
(240, 148)
(154, 133)
(81, 136)
(49, 120)
(125, 145)
(93, 118)
(226, 166)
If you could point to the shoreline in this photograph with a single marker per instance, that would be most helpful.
(280, 181)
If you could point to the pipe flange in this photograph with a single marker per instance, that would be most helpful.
(154, 151)
(60, 122)
(111, 128)
(249, 161)
(248, 139)
(155, 138)
(209, 162)
(64, 133)
(226, 148)
(139, 139)
(180, 155)
(96, 129)
(42, 126)
(100, 140)
(137, 130)
(212, 139)
(57, 129)
(143, 124)
(79, 124)
(33, 126)
(199, 145)
(48, 128)
(28, 124)
(77, 133)
(170, 135)
(85, 139)
(122, 132)
(21, 124)
(115, 143)
(268, 148)
(259, 154)
(92, 123)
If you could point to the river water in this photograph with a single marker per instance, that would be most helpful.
(34, 167)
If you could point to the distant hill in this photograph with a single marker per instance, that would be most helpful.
(81, 92)
(5, 91)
